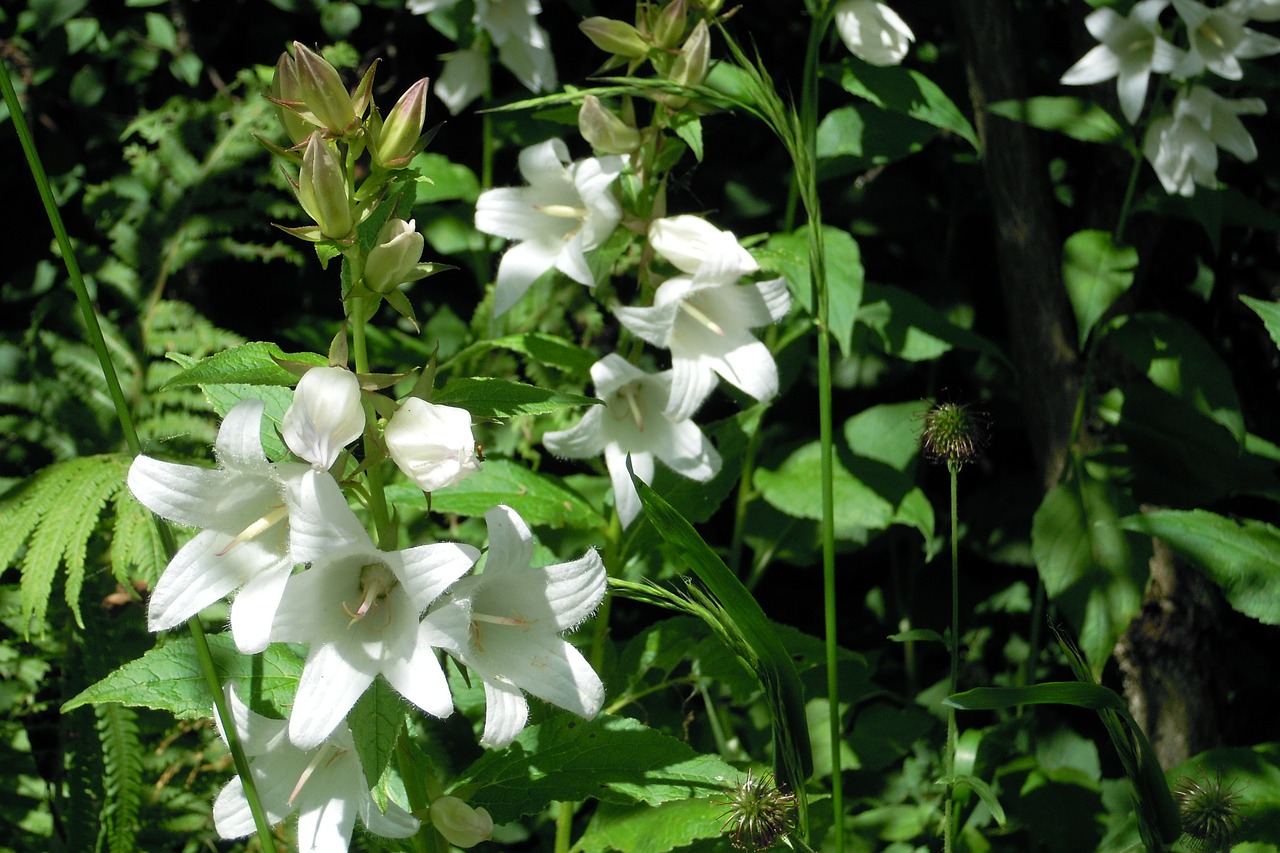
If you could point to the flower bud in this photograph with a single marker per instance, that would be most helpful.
(398, 136)
(433, 445)
(872, 31)
(604, 130)
(668, 24)
(689, 242)
(286, 87)
(322, 188)
(325, 415)
(323, 92)
(392, 260)
(690, 67)
(461, 825)
(616, 37)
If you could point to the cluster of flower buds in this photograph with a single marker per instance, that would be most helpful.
(662, 36)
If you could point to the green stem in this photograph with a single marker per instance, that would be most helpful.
(373, 474)
(948, 827)
(564, 827)
(93, 330)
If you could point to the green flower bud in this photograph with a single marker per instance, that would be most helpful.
(397, 138)
(954, 434)
(461, 825)
(285, 86)
(322, 188)
(323, 92)
(392, 260)
(616, 37)
(690, 67)
(604, 130)
(668, 24)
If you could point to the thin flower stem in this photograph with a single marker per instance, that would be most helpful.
(373, 474)
(93, 331)
(564, 827)
(948, 826)
(613, 556)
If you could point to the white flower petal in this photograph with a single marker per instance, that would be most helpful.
(203, 572)
(692, 381)
(239, 442)
(519, 268)
(395, 822)
(505, 713)
(581, 441)
(625, 498)
(464, 78)
(687, 451)
(426, 571)
(420, 679)
(254, 610)
(546, 666)
(325, 415)
(872, 31)
(652, 325)
(329, 687)
(510, 541)
(321, 524)
(1100, 63)
(433, 445)
(327, 827)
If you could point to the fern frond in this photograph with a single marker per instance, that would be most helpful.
(137, 550)
(122, 775)
(54, 515)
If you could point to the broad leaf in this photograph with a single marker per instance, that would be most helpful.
(1074, 117)
(499, 398)
(1095, 272)
(1270, 314)
(909, 92)
(653, 829)
(251, 364)
(376, 720)
(788, 254)
(540, 499)
(907, 327)
(1240, 556)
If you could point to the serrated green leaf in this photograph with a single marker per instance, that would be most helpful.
(906, 91)
(1240, 556)
(276, 400)
(652, 829)
(250, 364)
(1074, 117)
(547, 349)
(540, 499)
(1095, 272)
(613, 759)
(1270, 314)
(376, 720)
(499, 398)
(169, 678)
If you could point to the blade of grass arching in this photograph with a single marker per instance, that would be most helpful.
(783, 692)
(93, 330)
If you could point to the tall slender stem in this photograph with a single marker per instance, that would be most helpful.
(93, 330)
(948, 828)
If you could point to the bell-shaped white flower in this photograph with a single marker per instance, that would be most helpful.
(243, 544)
(460, 824)
(464, 78)
(688, 241)
(359, 609)
(566, 210)
(1182, 147)
(1219, 40)
(433, 445)
(873, 32)
(325, 415)
(1130, 49)
(325, 785)
(515, 615)
(633, 421)
(706, 318)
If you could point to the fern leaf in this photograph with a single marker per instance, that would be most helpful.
(136, 548)
(56, 514)
(122, 775)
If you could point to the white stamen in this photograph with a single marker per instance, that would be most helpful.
(256, 529)
(696, 313)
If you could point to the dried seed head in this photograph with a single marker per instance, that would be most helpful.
(954, 433)
(759, 813)
(1210, 812)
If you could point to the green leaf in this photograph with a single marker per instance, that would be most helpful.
(1094, 572)
(1240, 556)
(445, 180)
(376, 720)
(1178, 360)
(612, 759)
(1095, 272)
(907, 327)
(689, 128)
(547, 349)
(788, 254)
(250, 364)
(860, 137)
(772, 664)
(652, 829)
(1270, 314)
(909, 92)
(499, 398)
(276, 401)
(984, 792)
(539, 498)
(1095, 697)
(1074, 117)
(169, 678)
(790, 489)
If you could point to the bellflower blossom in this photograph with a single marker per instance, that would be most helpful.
(566, 211)
(325, 415)
(1130, 50)
(433, 445)
(516, 615)
(523, 48)
(1183, 147)
(324, 785)
(1219, 40)
(243, 543)
(359, 609)
(873, 32)
(705, 318)
(633, 422)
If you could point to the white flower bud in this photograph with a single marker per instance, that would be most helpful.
(873, 32)
(461, 825)
(433, 445)
(392, 260)
(325, 415)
